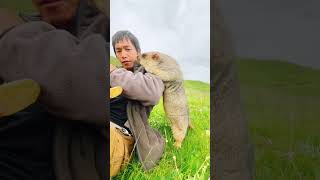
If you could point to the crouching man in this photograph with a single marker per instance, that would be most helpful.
(130, 111)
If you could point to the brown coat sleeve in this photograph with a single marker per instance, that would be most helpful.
(144, 87)
(72, 73)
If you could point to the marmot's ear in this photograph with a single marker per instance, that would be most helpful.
(155, 56)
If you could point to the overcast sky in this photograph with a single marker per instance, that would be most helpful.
(276, 29)
(179, 28)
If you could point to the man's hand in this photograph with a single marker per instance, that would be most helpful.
(112, 68)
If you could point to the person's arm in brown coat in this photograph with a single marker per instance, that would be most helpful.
(72, 73)
(143, 87)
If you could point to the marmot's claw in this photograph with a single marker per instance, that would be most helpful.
(177, 144)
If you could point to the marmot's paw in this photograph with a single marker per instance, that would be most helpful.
(190, 125)
(177, 144)
(17, 95)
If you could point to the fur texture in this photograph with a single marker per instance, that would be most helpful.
(174, 97)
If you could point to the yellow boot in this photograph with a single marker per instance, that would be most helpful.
(17, 95)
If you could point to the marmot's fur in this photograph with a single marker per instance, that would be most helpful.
(174, 97)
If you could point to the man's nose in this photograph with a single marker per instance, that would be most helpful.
(124, 54)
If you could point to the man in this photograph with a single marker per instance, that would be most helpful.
(63, 135)
(129, 112)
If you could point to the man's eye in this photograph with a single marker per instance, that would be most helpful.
(128, 49)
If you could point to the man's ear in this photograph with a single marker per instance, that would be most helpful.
(155, 56)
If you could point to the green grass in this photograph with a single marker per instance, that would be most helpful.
(282, 103)
(114, 61)
(193, 159)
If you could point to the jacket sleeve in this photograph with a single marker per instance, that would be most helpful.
(71, 73)
(144, 87)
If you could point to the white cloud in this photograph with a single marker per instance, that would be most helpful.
(179, 28)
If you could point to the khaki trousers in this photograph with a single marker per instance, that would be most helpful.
(121, 147)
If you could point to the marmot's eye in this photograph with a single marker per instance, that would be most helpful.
(144, 55)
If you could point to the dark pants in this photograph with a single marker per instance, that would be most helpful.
(26, 140)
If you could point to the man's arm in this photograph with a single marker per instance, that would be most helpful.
(146, 88)
(72, 73)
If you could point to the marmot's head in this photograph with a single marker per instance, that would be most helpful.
(161, 65)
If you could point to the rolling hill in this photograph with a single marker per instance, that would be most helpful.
(281, 101)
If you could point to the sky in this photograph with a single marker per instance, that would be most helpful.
(275, 29)
(179, 28)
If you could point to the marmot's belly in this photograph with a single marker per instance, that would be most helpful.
(175, 103)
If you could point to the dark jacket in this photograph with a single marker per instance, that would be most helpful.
(71, 69)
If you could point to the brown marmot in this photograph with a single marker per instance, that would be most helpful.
(174, 98)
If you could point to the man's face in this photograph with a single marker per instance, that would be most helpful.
(126, 53)
(57, 12)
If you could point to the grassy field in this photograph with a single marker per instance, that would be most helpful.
(282, 103)
(193, 159)
(114, 61)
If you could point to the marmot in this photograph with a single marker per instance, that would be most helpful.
(174, 98)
